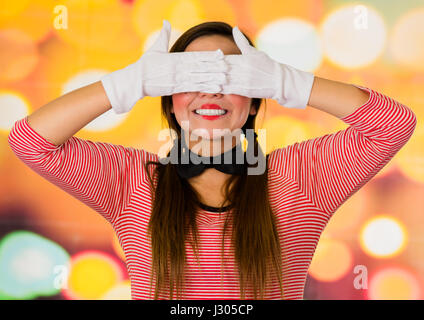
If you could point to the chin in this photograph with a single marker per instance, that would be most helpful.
(208, 134)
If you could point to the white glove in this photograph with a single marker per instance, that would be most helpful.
(160, 73)
(256, 75)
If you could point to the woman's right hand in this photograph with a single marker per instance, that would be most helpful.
(161, 73)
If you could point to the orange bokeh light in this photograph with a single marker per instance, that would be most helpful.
(332, 260)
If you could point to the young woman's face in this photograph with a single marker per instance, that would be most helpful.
(185, 103)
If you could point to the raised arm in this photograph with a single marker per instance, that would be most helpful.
(336, 98)
(330, 169)
(103, 175)
(61, 118)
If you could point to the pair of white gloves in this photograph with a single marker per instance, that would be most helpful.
(161, 73)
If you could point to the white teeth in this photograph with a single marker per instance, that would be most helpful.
(210, 112)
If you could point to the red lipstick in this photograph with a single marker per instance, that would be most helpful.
(211, 106)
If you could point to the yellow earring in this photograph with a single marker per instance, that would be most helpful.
(244, 142)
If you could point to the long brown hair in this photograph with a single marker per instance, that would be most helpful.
(175, 203)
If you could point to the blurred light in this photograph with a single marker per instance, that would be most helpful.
(282, 131)
(264, 11)
(148, 16)
(18, 55)
(93, 273)
(352, 38)
(9, 9)
(28, 265)
(299, 46)
(106, 121)
(121, 291)
(218, 10)
(383, 237)
(95, 24)
(407, 41)
(147, 121)
(175, 34)
(332, 260)
(394, 283)
(13, 107)
(34, 20)
(61, 62)
(183, 14)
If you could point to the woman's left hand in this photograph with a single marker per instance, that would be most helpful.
(256, 75)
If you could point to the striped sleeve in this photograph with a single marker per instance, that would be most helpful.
(331, 168)
(101, 175)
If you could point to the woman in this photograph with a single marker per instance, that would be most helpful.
(214, 232)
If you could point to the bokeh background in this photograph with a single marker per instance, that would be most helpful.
(54, 247)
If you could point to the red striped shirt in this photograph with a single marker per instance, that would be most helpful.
(308, 181)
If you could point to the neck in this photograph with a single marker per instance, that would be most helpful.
(211, 147)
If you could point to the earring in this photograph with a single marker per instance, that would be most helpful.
(244, 142)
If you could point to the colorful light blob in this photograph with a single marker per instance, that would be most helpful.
(14, 106)
(383, 237)
(406, 43)
(92, 274)
(394, 283)
(30, 266)
(354, 36)
(332, 260)
(291, 41)
(122, 291)
(18, 55)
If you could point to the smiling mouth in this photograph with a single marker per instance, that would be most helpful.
(210, 112)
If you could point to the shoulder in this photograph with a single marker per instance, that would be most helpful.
(281, 160)
(275, 160)
(140, 154)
